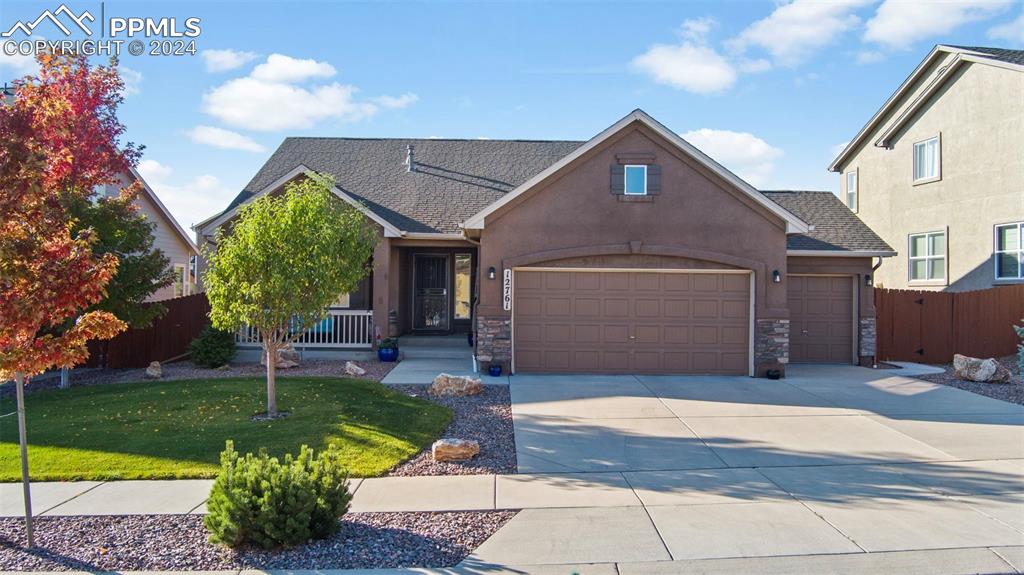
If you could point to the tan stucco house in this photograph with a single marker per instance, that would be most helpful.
(168, 236)
(631, 252)
(938, 172)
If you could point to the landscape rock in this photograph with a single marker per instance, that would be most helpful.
(455, 385)
(448, 449)
(154, 371)
(353, 369)
(981, 370)
(286, 358)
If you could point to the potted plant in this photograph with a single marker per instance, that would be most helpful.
(387, 349)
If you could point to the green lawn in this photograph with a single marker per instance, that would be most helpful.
(177, 429)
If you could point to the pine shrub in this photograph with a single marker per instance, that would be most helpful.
(213, 347)
(260, 501)
(1020, 347)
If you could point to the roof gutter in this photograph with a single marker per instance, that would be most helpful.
(842, 253)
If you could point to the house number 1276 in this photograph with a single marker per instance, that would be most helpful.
(506, 295)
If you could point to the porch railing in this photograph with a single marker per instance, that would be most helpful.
(342, 328)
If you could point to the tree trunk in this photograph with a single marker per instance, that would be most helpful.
(65, 378)
(19, 381)
(271, 386)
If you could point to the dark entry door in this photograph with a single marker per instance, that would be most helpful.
(431, 286)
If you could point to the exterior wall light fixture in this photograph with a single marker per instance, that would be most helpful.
(491, 273)
(776, 277)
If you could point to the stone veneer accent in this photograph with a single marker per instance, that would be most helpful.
(494, 340)
(868, 335)
(771, 345)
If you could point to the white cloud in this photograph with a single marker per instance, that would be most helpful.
(271, 99)
(190, 201)
(287, 70)
(793, 31)
(19, 65)
(869, 56)
(697, 29)
(754, 66)
(900, 23)
(221, 138)
(838, 148)
(131, 78)
(748, 156)
(224, 60)
(267, 107)
(687, 66)
(395, 102)
(1012, 31)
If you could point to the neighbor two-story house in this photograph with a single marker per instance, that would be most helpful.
(631, 252)
(938, 172)
(168, 237)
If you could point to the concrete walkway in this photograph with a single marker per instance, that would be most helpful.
(423, 357)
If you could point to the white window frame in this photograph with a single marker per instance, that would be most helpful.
(928, 257)
(1019, 251)
(856, 190)
(181, 272)
(938, 160)
(625, 179)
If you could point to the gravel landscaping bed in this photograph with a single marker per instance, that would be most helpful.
(179, 542)
(485, 418)
(1012, 392)
(375, 371)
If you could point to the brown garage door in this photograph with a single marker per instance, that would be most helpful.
(631, 322)
(820, 319)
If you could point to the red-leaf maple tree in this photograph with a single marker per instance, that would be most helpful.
(58, 139)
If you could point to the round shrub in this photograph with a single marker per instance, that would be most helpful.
(213, 347)
(260, 501)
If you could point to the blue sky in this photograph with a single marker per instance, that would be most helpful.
(768, 89)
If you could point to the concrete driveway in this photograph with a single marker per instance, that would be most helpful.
(832, 460)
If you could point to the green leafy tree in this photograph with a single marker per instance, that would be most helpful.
(285, 260)
(124, 232)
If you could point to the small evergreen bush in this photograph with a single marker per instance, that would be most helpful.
(260, 501)
(213, 347)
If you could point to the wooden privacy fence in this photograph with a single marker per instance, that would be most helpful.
(167, 338)
(929, 327)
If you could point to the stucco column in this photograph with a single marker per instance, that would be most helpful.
(381, 293)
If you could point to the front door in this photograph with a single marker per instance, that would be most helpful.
(431, 289)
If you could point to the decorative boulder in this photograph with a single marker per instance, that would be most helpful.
(982, 370)
(455, 385)
(454, 449)
(286, 358)
(154, 371)
(354, 370)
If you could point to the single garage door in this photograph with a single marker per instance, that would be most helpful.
(631, 322)
(820, 319)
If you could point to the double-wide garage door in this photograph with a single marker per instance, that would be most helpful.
(578, 321)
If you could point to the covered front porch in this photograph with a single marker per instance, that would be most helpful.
(417, 287)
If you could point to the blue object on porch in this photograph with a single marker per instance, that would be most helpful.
(494, 370)
(387, 354)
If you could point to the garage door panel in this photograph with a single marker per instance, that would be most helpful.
(821, 319)
(631, 322)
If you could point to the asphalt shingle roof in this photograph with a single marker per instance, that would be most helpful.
(836, 228)
(1002, 54)
(454, 179)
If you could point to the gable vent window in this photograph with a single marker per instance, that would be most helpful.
(927, 161)
(636, 180)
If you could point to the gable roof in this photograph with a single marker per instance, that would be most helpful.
(452, 180)
(836, 229)
(1000, 57)
(163, 210)
(793, 223)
